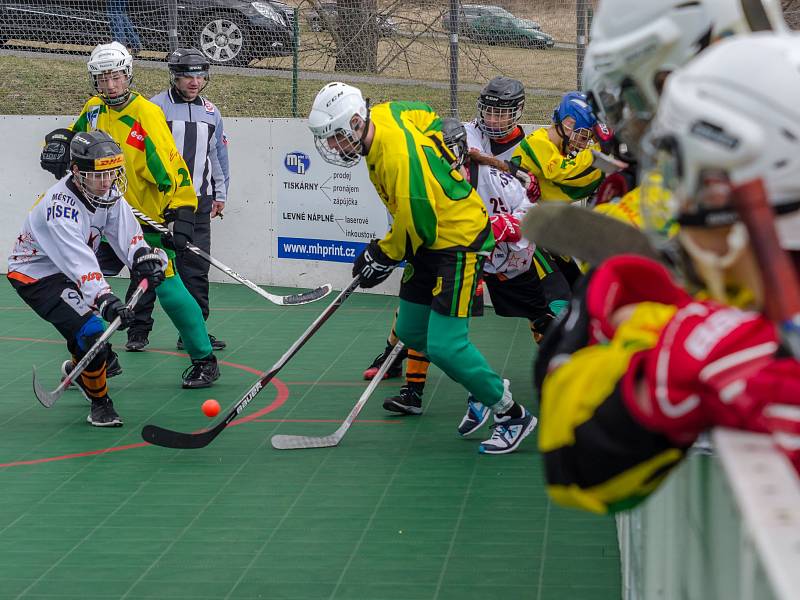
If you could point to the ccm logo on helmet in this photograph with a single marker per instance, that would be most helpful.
(334, 99)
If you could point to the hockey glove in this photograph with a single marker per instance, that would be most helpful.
(148, 264)
(111, 307)
(614, 186)
(181, 225)
(505, 228)
(528, 181)
(373, 265)
(55, 154)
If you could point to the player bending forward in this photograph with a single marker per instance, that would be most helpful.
(440, 226)
(54, 269)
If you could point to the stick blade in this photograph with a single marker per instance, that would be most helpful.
(45, 398)
(166, 438)
(301, 442)
(307, 297)
(584, 234)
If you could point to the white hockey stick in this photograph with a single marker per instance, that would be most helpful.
(290, 300)
(46, 398)
(298, 442)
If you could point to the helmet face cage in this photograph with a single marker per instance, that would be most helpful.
(455, 138)
(341, 148)
(189, 63)
(497, 117)
(91, 184)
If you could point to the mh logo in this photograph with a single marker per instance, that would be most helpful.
(297, 162)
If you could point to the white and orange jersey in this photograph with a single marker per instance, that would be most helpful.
(62, 233)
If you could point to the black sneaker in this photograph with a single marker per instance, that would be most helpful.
(202, 373)
(113, 368)
(137, 341)
(395, 370)
(408, 402)
(102, 413)
(215, 343)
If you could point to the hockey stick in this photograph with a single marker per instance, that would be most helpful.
(781, 286)
(176, 439)
(48, 399)
(290, 300)
(584, 234)
(299, 442)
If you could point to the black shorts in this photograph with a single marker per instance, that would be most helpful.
(57, 300)
(445, 281)
(522, 296)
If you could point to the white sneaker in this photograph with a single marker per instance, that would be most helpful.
(508, 433)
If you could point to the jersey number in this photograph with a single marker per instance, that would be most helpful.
(451, 181)
(185, 179)
(498, 205)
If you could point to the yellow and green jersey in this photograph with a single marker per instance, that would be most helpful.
(432, 205)
(157, 174)
(560, 178)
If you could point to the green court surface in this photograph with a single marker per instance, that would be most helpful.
(402, 509)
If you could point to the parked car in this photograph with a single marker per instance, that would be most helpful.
(228, 32)
(504, 31)
(469, 13)
(324, 17)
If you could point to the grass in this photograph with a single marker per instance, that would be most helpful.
(68, 88)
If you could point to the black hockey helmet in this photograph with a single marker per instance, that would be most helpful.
(504, 98)
(188, 62)
(455, 138)
(101, 167)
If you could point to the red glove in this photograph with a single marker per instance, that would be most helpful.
(613, 186)
(778, 384)
(505, 228)
(604, 136)
(531, 185)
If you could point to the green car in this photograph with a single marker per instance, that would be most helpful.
(508, 31)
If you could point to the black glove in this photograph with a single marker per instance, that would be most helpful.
(111, 307)
(55, 154)
(147, 265)
(373, 265)
(181, 225)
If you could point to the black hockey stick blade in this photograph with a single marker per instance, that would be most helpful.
(159, 436)
(300, 442)
(584, 234)
(309, 296)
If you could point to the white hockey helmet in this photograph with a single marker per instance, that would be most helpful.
(713, 121)
(331, 122)
(110, 58)
(635, 45)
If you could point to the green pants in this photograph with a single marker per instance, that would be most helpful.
(445, 341)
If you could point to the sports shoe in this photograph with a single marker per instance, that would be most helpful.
(408, 402)
(395, 369)
(202, 373)
(508, 433)
(215, 343)
(102, 413)
(477, 414)
(137, 341)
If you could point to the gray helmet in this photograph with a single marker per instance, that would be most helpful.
(101, 167)
(188, 62)
(505, 97)
(455, 138)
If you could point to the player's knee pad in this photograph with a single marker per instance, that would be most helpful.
(87, 336)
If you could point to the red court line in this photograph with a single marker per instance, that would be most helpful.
(281, 388)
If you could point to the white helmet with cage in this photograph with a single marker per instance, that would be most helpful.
(337, 135)
(635, 45)
(111, 58)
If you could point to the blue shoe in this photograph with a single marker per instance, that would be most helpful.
(477, 414)
(508, 433)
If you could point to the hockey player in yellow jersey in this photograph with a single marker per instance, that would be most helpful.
(560, 155)
(159, 185)
(440, 227)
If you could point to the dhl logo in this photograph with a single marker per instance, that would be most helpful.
(109, 162)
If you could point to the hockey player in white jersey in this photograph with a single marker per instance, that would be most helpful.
(54, 269)
(496, 130)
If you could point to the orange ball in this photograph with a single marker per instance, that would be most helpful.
(211, 408)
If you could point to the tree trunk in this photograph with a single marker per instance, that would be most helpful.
(357, 36)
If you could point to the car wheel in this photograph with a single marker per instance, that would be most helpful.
(224, 39)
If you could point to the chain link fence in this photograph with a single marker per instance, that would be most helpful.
(271, 57)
